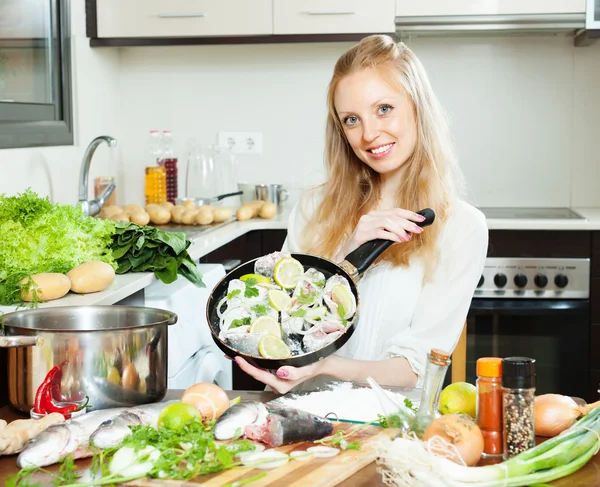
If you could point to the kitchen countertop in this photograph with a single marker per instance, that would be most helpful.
(207, 241)
(588, 476)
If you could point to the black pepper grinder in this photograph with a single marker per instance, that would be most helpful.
(518, 397)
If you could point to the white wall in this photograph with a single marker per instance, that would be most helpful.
(524, 113)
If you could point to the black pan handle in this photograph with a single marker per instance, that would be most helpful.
(227, 195)
(365, 255)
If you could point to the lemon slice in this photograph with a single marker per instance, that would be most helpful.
(256, 277)
(342, 297)
(271, 346)
(287, 272)
(279, 300)
(266, 324)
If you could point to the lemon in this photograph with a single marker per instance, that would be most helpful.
(460, 397)
(279, 300)
(256, 277)
(271, 346)
(287, 272)
(113, 376)
(175, 415)
(266, 324)
(342, 297)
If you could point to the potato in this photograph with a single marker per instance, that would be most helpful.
(130, 209)
(140, 217)
(159, 216)
(256, 205)
(189, 216)
(91, 277)
(168, 205)
(189, 204)
(47, 285)
(268, 210)
(119, 217)
(244, 213)
(204, 216)
(151, 205)
(108, 211)
(222, 214)
(177, 213)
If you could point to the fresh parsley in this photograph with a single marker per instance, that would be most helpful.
(237, 323)
(320, 283)
(299, 313)
(233, 294)
(260, 309)
(306, 298)
(251, 291)
(342, 314)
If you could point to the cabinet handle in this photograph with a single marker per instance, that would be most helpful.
(180, 16)
(330, 12)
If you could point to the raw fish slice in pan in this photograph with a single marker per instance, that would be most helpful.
(239, 298)
(318, 339)
(309, 290)
(264, 266)
(332, 283)
(232, 314)
(291, 324)
(246, 343)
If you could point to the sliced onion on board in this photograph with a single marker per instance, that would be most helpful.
(302, 455)
(265, 459)
(323, 451)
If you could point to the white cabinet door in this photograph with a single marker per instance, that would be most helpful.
(184, 18)
(333, 16)
(434, 8)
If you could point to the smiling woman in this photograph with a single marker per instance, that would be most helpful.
(389, 154)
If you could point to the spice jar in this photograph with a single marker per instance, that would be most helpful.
(518, 396)
(435, 372)
(489, 403)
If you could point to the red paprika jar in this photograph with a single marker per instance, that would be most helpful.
(489, 403)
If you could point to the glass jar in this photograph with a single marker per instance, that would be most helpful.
(435, 372)
(489, 404)
(518, 397)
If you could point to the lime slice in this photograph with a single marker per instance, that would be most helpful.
(342, 297)
(266, 324)
(279, 300)
(270, 346)
(287, 272)
(256, 277)
(317, 313)
(235, 401)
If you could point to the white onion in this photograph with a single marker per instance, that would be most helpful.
(323, 451)
(265, 459)
(302, 455)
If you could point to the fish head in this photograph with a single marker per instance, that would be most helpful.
(233, 421)
(46, 448)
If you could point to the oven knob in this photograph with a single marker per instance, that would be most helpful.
(520, 280)
(561, 280)
(540, 280)
(481, 281)
(500, 280)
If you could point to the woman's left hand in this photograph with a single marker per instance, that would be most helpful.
(285, 379)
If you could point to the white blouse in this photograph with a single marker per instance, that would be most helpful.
(401, 315)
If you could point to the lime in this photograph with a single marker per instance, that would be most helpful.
(235, 401)
(256, 277)
(342, 297)
(266, 324)
(279, 300)
(287, 272)
(271, 346)
(175, 415)
(460, 397)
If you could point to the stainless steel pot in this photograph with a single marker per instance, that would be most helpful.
(274, 193)
(115, 355)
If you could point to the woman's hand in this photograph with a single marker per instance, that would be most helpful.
(285, 379)
(395, 225)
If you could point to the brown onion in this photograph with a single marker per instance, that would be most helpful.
(208, 398)
(555, 413)
(462, 432)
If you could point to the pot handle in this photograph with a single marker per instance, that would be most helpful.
(282, 194)
(20, 341)
(365, 255)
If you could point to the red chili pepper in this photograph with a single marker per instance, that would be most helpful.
(41, 394)
(46, 392)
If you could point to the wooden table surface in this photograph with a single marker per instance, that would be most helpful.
(588, 476)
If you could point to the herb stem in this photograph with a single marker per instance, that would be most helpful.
(238, 483)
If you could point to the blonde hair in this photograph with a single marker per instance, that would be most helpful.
(430, 175)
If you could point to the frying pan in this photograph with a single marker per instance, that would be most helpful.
(354, 265)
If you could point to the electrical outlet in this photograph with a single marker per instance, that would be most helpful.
(241, 142)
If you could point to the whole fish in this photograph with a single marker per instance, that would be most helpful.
(113, 431)
(72, 437)
(233, 421)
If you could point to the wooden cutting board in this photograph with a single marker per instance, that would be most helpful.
(317, 472)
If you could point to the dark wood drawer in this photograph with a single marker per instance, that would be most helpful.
(594, 395)
(596, 254)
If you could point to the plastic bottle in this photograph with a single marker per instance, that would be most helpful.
(435, 372)
(489, 404)
(169, 161)
(518, 397)
(155, 174)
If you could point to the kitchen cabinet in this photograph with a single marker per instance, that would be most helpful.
(436, 8)
(24, 20)
(178, 18)
(332, 16)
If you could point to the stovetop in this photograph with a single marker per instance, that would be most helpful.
(532, 213)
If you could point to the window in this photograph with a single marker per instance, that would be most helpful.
(35, 74)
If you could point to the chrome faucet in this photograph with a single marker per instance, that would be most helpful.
(93, 207)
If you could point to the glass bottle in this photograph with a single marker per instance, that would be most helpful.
(169, 161)
(435, 372)
(489, 404)
(518, 396)
(155, 174)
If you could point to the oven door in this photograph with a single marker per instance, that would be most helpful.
(554, 332)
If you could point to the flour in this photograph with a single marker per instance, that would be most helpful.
(345, 400)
